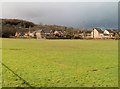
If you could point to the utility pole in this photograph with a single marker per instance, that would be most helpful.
(93, 32)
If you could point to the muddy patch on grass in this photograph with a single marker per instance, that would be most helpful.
(11, 49)
(16, 49)
(109, 67)
(94, 70)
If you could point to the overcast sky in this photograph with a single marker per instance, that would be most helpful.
(73, 14)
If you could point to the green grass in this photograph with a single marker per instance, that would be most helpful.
(60, 63)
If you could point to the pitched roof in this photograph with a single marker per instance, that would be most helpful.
(99, 30)
(87, 31)
(81, 31)
(46, 31)
(110, 31)
(38, 30)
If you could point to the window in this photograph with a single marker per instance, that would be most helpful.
(101, 35)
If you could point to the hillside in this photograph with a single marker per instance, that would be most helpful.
(17, 22)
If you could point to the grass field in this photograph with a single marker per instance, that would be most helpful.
(60, 63)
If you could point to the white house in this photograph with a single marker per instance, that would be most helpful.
(108, 33)
(97, 33)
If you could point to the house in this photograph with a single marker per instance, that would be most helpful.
(27, 34)
(81, 33)
(58, 33)
(42, 34)
(30, 34)
(116, 34)
(97, 33)
(87, 34)
(47, 33)
(37, 34)
(17, 34)
(78, 34)
(108, 33)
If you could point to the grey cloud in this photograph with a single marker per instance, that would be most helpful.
(78, 15)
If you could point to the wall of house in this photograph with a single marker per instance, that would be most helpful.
(96, 34)
(38, 35)
(109, 34)
(106, 32)
(92, 34)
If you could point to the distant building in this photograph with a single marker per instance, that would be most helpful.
(42, 34)
(47, 33)
(58, 33)
(97, 33)
(17, 34)
(37, 34)
(108, 33)
(87, 34)
(117, 34)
